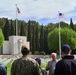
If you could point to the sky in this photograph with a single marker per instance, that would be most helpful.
(42, 11)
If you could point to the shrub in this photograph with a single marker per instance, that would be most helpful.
(1, 38)
(42, 53)
(36, 52)
(68, 36)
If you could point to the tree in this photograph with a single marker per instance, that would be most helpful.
(36, 38)
(34, 35)
(41, 39)
(68, 36)
(29, 34)
(62, 24)
(2, 23)
(6, 30)
(1, 38)
(29, 31)
(22, 30)
(15, 26)
(12, 31)
(71, 24)
(33, 39)
(45, 40)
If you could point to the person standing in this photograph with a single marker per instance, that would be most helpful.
(67, 65)
(25, 65)
(43, 72)
(51, 64)
(3, 69)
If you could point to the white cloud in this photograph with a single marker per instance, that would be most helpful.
(37, 9)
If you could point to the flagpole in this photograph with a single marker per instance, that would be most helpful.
(59, 38)
(59, 41)
(16, 31)
(16, 22)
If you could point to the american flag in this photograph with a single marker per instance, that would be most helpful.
(61, 15)
(18, 11)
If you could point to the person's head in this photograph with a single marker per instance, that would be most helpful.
(38, 60)
(66, 50)
(25, 50)
(54, 56)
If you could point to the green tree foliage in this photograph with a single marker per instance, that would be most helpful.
(42, 38)
(22, 30)
(12, 31)
(33, 39)
(36, 38)
(71, 24)
(29, 31)
(74, 27)
(45, 40)
(42, 53)
(2, 23)
(6, 30)
(51, 26)
(62, 24)
(25, 28)
(1, 38)
(29, 36)
(68, 36)
(36, 34)
(15, 26)
(36, 52)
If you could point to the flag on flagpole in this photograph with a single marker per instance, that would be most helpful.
(18, 11)
(61, 15)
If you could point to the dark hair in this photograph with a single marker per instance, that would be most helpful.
(24, 50)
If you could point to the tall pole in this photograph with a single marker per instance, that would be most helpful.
(59, 41)
(16, 22)
(16, 32)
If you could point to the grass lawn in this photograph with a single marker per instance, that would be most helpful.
(9, 67)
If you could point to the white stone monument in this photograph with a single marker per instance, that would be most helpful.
(13, 46)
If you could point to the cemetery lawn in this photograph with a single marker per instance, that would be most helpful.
(9, 67)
